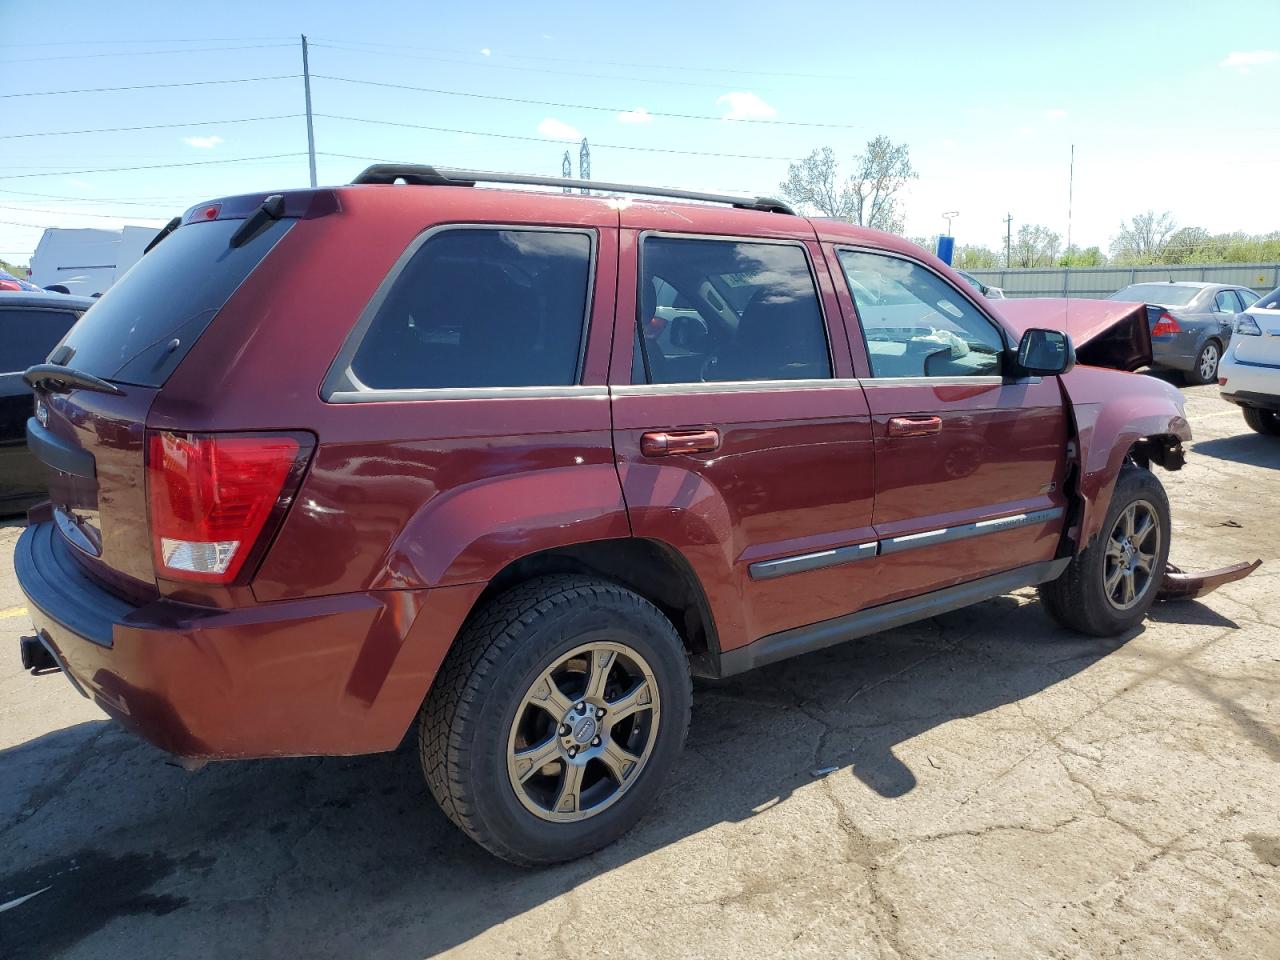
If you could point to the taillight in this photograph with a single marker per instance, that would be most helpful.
(1247, 326)
(1165, 326)
(213, 496)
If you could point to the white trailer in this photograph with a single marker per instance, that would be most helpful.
(87, 261)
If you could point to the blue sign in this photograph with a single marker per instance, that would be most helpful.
(946, 249)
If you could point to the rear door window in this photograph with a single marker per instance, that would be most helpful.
(1247, 297)
(171, 294)
(27, 336)
(1225, 302)
(728, 310)
(480, 307)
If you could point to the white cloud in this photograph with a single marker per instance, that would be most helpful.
(1054, 113)
(638, 115)
(745, 106)
(485, 52)
(558, 130)
(202, 143)
(1242, 60)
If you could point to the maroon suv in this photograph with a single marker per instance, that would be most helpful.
(516, 465)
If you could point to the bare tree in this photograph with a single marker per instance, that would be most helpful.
(867, 196)
(1035, 246)
(1143, 239)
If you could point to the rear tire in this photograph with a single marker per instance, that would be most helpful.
(556, 718)
(1266, 422)
(1090, 595)
(1205, 369)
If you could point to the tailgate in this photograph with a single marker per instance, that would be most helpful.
(93, 445)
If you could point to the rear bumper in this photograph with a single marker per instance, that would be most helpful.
(328, 675)
(1250, 384)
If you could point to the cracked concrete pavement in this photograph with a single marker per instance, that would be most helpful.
(1002, 789)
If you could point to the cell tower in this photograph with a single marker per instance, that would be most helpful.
(584, 163)
(566, 170)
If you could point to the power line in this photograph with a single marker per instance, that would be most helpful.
(151, 166)
(145, 53)
(85, 43)
(512, 136)
(149, 126)
(542, 70)
(131, 201)
(76, 213)
(582, 106)
(612, 63)
(147, 86)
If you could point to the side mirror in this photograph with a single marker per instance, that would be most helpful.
(1046, 353)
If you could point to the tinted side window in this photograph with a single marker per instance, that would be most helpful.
(482, 308)
(743, 310)
(27, 336)
(915, 323)
(1225, 302)
(1247, 297)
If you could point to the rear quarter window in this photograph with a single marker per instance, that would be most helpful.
(28, 335)
(172, 293)
(478, 308)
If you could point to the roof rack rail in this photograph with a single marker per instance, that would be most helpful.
(421, 174)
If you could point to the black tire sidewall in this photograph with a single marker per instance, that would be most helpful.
(1194, 376)
(627, 620)
(1134, 483)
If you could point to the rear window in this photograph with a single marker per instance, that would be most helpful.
(480, 307)
(172, 293)
(1270, 301)
(1160, 294)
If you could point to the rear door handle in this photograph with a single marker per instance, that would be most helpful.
(914, 426)
(670, 443)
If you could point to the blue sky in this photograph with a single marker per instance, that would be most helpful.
(1170, 106)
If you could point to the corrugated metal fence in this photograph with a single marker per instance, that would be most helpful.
(1102, 281)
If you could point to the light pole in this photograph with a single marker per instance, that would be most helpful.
(949, 216)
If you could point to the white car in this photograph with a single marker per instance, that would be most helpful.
(1249, 374)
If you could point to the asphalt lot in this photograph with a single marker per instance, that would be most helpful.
(1001, 788)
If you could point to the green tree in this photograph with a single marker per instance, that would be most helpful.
(1035, 246)
(14, 269)
(1073, 256)
(1143, 238)
(973, 257)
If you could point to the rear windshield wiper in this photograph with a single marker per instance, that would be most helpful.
(57, 379)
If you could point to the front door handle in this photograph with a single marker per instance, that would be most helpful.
(669, 443)
(914, 426)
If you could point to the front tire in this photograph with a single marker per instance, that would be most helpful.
(1109, 587)
(556, 719)
(1266, 422)
(1206, 365)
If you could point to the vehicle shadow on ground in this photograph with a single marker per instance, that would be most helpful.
(1249, 448)
(350, 857)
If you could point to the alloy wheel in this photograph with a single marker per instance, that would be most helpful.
(583, 732)
(1132, 548)
(1209, 363)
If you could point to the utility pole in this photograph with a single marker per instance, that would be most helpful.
(1008, 240)
(566, 170)
(584, 164)
(1071, 185)
(311, 130)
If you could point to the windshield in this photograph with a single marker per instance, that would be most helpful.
(171, 294)
(1160, 294)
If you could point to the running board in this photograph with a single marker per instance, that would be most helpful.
(827, 633)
